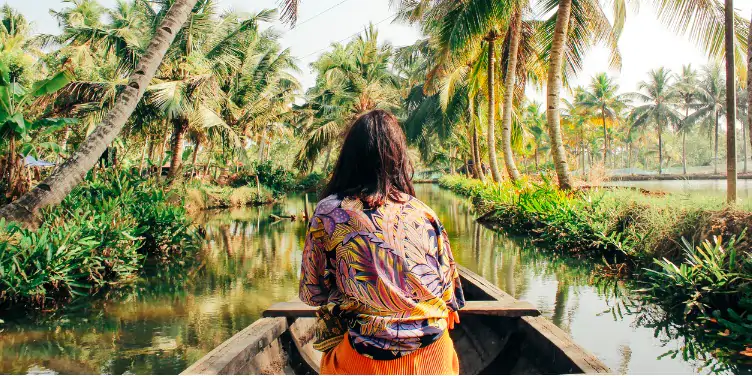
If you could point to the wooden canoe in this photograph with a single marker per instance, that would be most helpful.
(498, 335)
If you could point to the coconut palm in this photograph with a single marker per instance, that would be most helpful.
(352, 79)
(56, 187)
(742, 108)
(710, 104)
(658, 108)
(602, 99)
(686, 89)
(577, 118)
(534, 122)
(729, 39)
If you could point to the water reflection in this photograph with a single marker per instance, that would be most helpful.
(249, 261)
(700, 188)
(165, 322)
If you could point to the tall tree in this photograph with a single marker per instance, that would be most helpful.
(67, 176)
(603, 100)
(686, 89)
(553, 93)
(510, 80)
(658, 108)
(730, 104)
(710, 105)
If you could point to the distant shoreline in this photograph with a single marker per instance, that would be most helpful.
(675, 177)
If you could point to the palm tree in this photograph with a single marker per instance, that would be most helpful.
(577, 118)
(730, 103)
(67, 176)
(710, 104)
(603, 100)
(352, 79)
(510, 79)
(658, 110)
(535, 124)
(576, 23)
(743, 111)
(686, 88)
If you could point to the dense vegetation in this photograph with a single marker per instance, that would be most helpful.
(99, 237)
(690, 258)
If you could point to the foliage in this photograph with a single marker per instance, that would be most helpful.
(710, 295)
(97, 237)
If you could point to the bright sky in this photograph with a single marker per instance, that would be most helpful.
(645, 44)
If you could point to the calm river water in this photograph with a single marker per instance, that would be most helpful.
(169, 320)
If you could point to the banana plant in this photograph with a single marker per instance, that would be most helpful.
(17, 129)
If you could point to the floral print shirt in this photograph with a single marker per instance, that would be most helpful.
(385, 275)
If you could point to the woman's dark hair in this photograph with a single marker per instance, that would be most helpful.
(373, 164)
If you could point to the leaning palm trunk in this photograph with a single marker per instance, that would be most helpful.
(491, 38)
(509, 83)
(67, 176)
(553, 92)
(730, 105)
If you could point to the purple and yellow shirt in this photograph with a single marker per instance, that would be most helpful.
(385, 275)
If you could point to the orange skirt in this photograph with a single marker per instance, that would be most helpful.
(438, 358)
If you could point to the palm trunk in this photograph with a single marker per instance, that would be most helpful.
(744, 147)
(715, 155)
(60, 183)
(684, 152)
(64, 142)
(553, 92)
(510, 80)
(326, 161)
(684, 141)
(477, 161)
(730, 105)
(660, 149)
(605, 137)
(262, 139)
(11, 161)
(195, 156)
(749, 94)
(492, 107)
(536, 158)
(143, 156)
(181, 126)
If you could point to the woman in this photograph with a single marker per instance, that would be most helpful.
(378, 263)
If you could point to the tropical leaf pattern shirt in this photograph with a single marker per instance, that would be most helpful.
(386, 275)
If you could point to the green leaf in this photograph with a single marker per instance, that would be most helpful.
(51, 85)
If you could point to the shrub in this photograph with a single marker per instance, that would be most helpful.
(98, 236)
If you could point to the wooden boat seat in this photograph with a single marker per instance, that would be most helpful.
(513, 308)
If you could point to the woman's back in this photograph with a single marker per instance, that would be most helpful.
(388, 269)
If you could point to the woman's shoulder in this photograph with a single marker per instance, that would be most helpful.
(419, 206)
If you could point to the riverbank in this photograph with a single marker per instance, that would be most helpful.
(650, 239)
(99, 237)
(675, 177)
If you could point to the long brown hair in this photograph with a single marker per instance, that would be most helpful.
(373, 164)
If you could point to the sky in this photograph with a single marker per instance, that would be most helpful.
(645, 44)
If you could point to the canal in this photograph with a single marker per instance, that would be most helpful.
(171, 318)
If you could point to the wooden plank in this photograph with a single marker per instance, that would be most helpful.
(513, 308)
(546, 336)
(237, 354)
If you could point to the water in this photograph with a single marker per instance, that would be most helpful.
(705, 187)
(249, 261)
